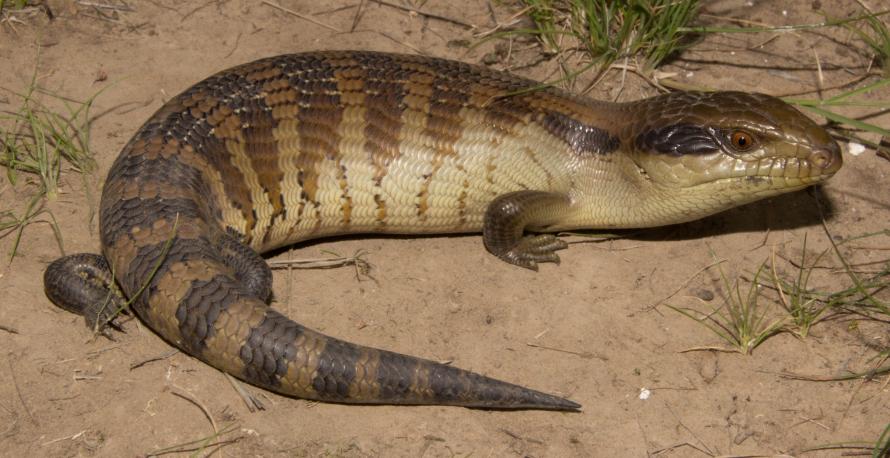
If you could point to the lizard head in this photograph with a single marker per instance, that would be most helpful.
(724, 149)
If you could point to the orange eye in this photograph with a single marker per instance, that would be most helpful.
(741, 140)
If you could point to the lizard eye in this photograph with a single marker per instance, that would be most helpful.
(741, 140)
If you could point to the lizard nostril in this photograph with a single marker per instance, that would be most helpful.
(821, 158)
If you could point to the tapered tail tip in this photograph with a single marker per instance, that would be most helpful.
(543, 401)
(485, 392)
(567, 405)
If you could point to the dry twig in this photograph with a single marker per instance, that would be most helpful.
(139, 364)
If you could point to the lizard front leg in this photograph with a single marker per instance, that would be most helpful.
(509, 215)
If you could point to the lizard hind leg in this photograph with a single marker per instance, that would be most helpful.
(249, 267)
(83, 284)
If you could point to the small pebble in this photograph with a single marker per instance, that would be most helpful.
(704, 294)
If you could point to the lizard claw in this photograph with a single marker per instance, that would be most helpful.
(531, 250)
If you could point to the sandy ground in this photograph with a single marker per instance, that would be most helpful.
(586, 329)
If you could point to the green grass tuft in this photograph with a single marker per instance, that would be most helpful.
(36, 143)
(742, 321)
(40, 140)
(645, 31)
(804, 306)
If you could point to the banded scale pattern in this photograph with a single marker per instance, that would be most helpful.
(300, 146)
(308, 145)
